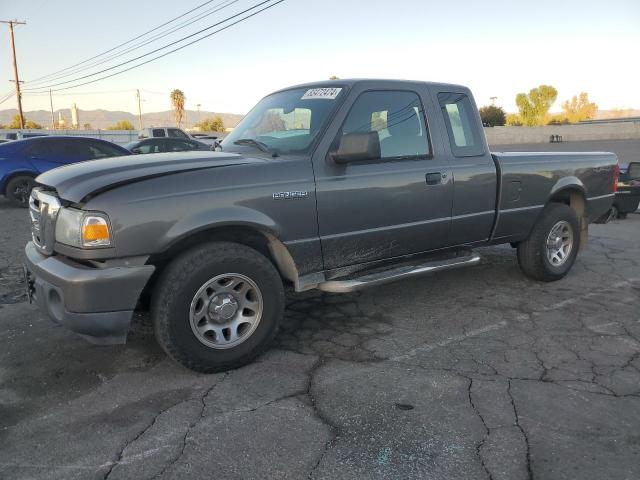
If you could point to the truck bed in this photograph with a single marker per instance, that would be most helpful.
(527, 180)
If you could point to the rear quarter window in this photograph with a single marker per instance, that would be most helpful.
(461, 123)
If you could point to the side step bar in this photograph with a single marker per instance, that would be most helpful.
(397, 273)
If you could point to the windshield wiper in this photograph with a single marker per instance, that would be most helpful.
(256, 143)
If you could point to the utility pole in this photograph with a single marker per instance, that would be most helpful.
(53, 120)
(139, 110)
(15, 67)
(198, 112)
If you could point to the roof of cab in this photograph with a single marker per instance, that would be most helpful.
(377, 82)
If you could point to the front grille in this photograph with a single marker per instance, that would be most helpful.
(43, 211)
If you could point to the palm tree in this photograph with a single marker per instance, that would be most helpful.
(177, 101)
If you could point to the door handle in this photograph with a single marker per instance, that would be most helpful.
(434, 178)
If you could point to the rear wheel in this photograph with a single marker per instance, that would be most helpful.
(551, 249)
(217, 306)
(19, 188)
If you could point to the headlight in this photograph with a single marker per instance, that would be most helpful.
(82, 229)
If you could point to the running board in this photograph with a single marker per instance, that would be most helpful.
(397, 273)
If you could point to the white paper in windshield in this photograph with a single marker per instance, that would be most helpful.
(321, 94)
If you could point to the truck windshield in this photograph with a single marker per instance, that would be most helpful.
(285, 122)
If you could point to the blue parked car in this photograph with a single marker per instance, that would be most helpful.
(21, 161)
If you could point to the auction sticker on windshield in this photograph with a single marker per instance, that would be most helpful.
(321, 93)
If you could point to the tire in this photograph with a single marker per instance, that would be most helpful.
(192, 294)
(18, 190)
(534, 253)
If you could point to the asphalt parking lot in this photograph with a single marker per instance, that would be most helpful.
(476, 373)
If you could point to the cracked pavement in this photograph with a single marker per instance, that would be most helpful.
(476, 373)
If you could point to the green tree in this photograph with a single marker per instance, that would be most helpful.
(87, 126)
(534, 106)
(122, 125)
(215, 124)
(493, 116)
(15, 122)
(177, 102)
(579, 108)
(334, 77)
(513, 120)
(32, 125)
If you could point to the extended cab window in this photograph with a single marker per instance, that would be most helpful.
(398, 119)
(461, 123)
(158, 132)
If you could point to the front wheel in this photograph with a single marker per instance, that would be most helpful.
(217, 306)
(19, 189)
(551, 249)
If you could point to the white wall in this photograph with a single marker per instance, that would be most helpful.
(569, 133)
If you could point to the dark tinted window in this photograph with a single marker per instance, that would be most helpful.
(151, 146)
(176, 133)
(398, 119)
(103, 150)
(177, 145)
(158, 132)
(12, 136)
(462, 125)
(59, 147)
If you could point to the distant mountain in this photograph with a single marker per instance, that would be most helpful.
(101, 119)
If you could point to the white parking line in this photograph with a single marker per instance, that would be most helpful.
(586, 296)
(427, 347)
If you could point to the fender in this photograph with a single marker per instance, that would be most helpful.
(237, 216)
(566, 183)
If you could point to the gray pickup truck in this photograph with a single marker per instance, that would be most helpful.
(335, 185)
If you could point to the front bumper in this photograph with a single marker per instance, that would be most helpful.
(97, 303)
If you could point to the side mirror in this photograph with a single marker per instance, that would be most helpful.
(633, 172)
(356, 147)
(136, 150)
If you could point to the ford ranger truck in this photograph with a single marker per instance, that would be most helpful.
(334, 186)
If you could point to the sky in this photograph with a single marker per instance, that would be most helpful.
(497, 48)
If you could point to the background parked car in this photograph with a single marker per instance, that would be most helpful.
(20, 135)
(21, 161)
(160, 145)
(162, 132)
(628, 194)
(212, 140)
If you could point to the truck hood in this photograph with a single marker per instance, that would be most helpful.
(77, 181)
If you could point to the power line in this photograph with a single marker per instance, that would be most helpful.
(7, 97)
(107, 92)
(216, 8)
(125, 43)
(162, 48)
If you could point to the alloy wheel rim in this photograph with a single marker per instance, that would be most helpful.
(559, 243)
(226, 310)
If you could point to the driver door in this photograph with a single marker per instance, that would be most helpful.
(384, 207)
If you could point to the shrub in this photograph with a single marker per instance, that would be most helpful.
(492, 116)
